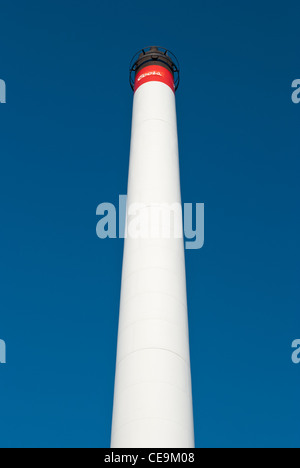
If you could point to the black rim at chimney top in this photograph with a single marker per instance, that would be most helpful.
(150, 55)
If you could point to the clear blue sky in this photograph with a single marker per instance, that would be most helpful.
(64, 145)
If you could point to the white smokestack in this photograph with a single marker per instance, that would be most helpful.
(153, 396)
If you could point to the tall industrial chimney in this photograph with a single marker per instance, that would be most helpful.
(153, 397)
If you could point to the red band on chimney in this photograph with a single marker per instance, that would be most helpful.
(154, 73)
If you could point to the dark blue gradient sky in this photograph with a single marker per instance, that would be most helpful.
(64, 148)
